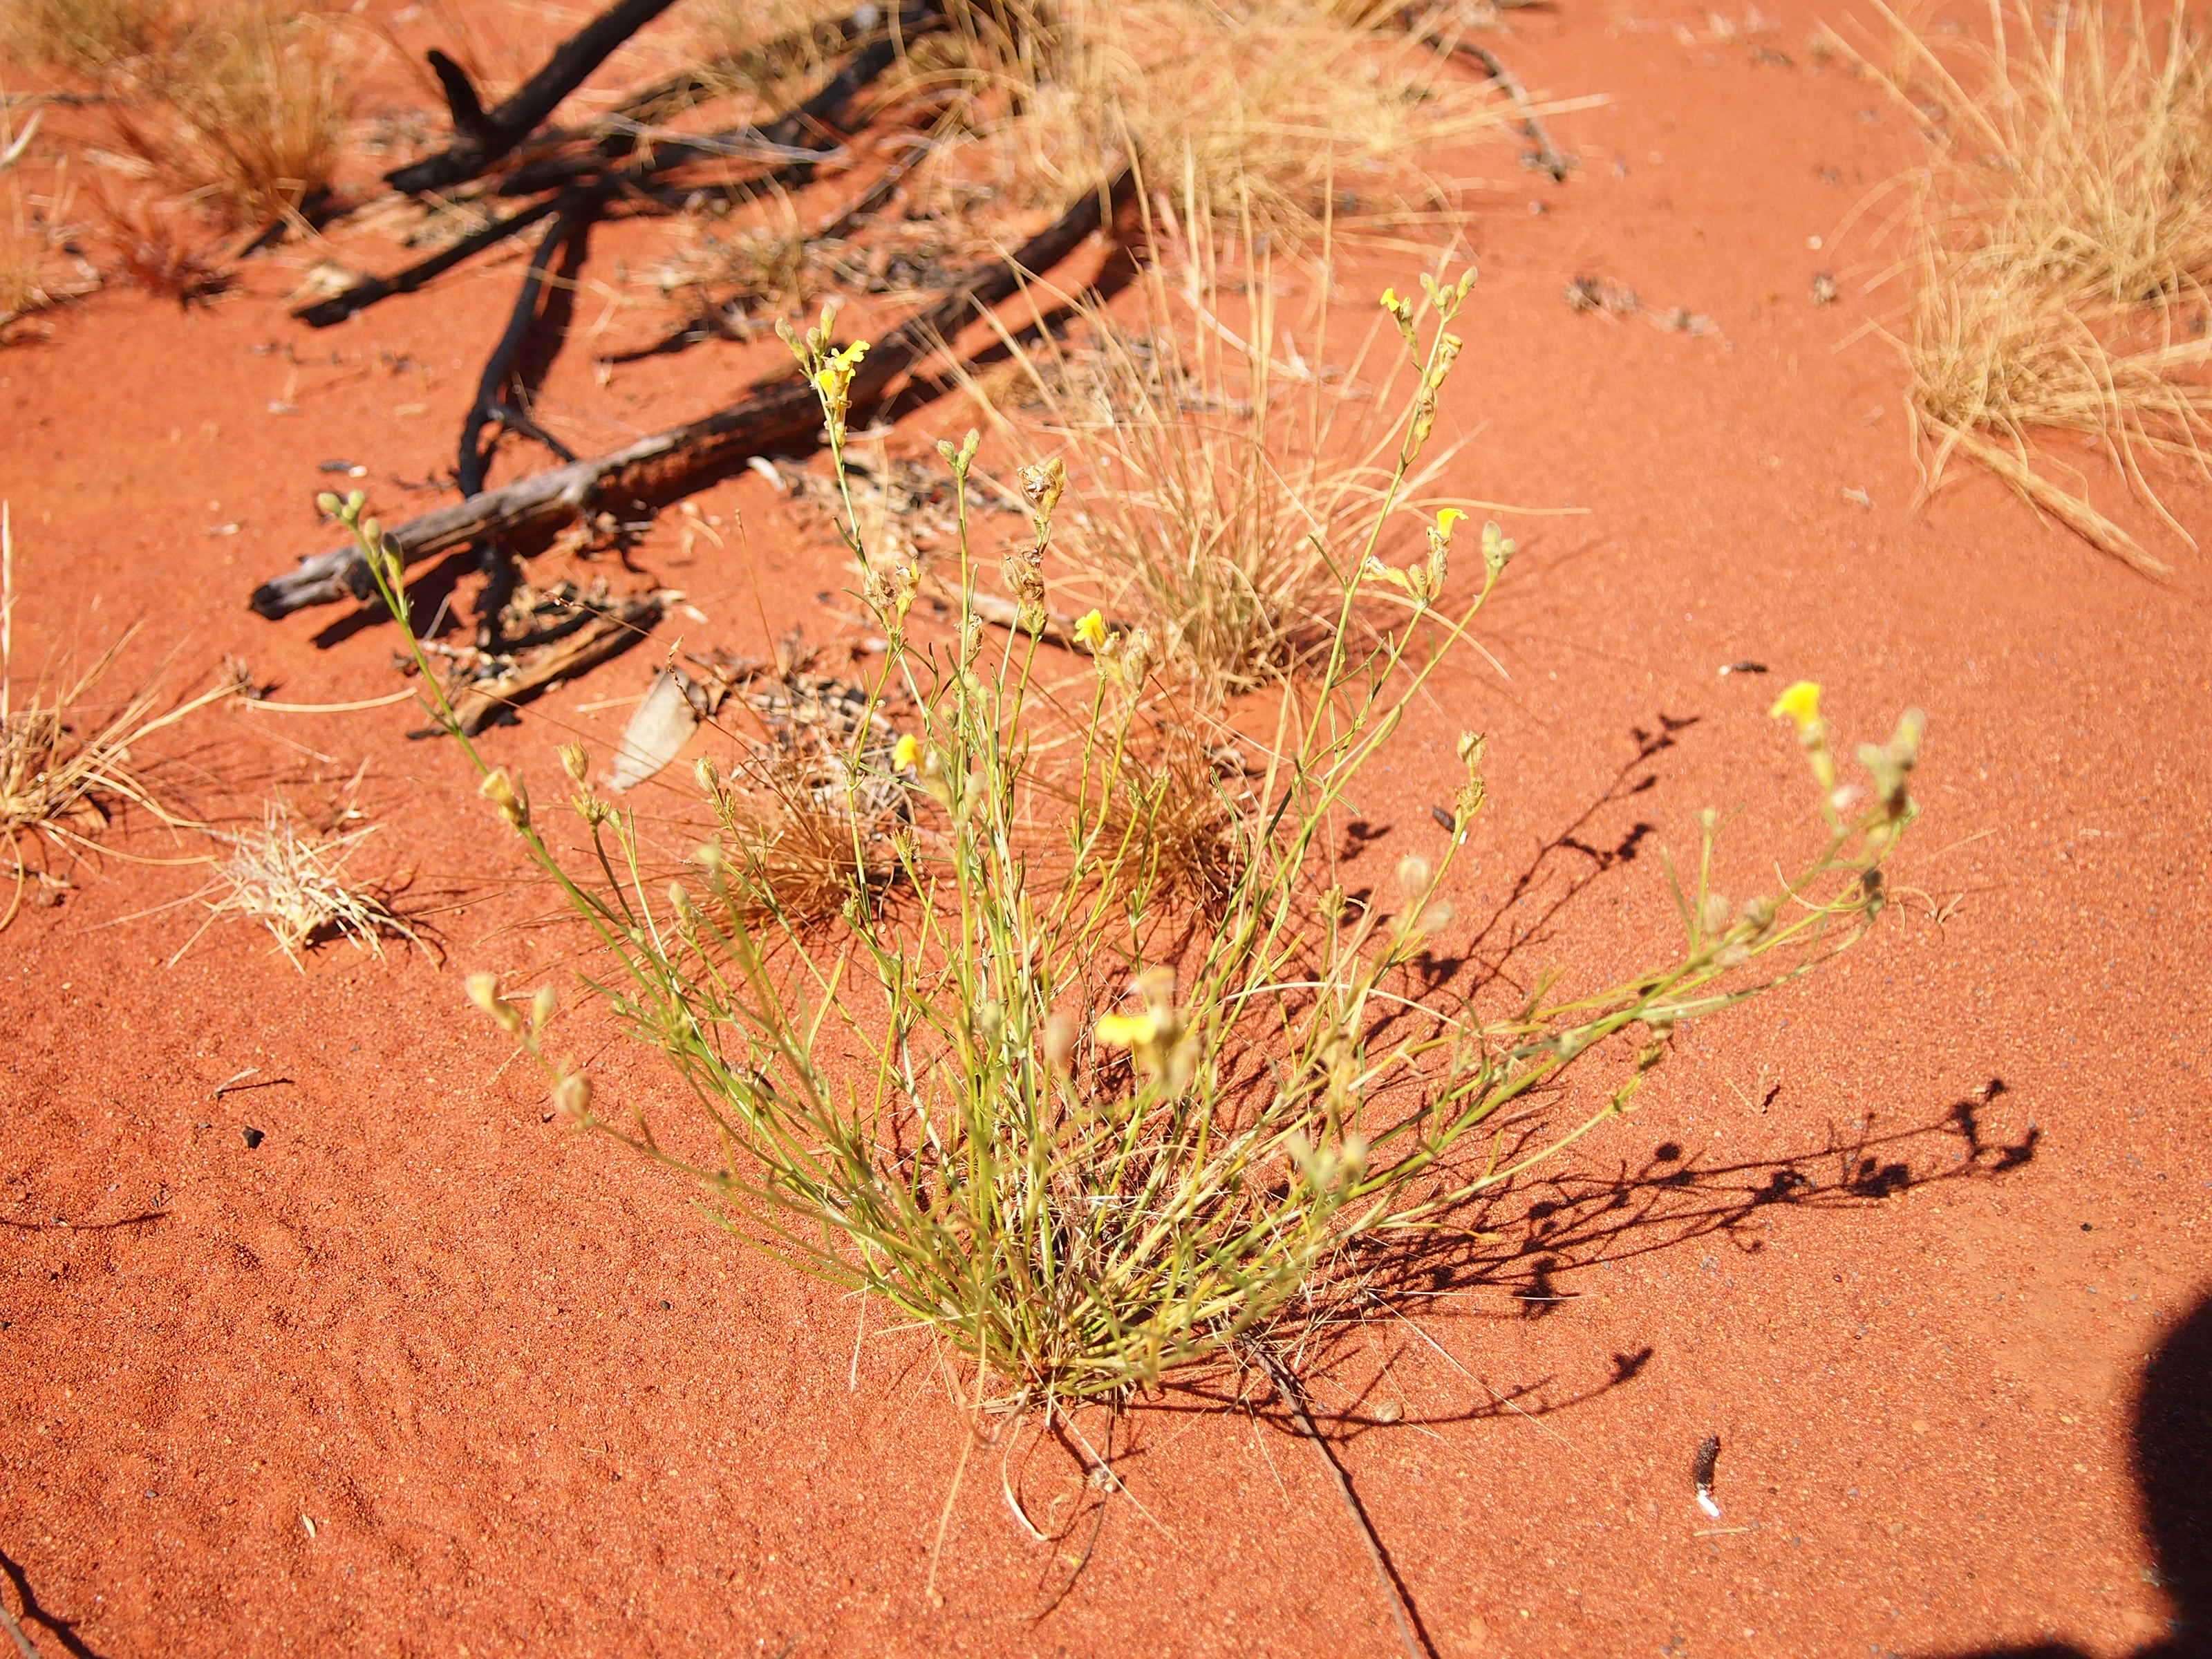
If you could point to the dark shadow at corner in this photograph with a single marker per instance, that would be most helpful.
(2172, 1457)
(36, 1619)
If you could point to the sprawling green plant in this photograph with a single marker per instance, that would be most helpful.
(1032, 1106)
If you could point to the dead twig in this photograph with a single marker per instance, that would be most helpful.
(605, 636)
(1545, 155)
(1410, 1636)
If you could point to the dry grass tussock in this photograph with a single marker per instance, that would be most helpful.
(26, 282)
(292, 881)
(241, 106)
(2064, 238)
(809, 837)
(248, 112)
(95, 39)
(1218, 462)
(66, 765)
(1313, 112)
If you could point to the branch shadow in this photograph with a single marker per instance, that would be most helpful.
(1528, 1240)
(64, 1630)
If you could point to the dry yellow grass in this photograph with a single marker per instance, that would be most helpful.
(758, 44)
(292, 881)
(65, 763)
(249, 113)
(1178, 820)
(1311, 112)
(806, 840)
(1215, 459)
(92, 38)
(2064, 235)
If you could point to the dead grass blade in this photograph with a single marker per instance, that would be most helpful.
(2063, 238)
(64, 767)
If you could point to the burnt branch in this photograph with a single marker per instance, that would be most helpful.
(821, 113)
(461, 100)
(483, 139)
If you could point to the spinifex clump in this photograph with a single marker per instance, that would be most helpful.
(1084, 1136)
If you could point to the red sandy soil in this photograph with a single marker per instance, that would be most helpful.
(422, 1372)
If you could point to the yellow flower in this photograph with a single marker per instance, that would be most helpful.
(833, 379)
(1800, 705)
(1446, 520)
(1375, 566)
(1091, 630)
(1128, 1030)
(906, 753)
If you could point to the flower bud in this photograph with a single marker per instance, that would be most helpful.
(1059, 1033)
(483, 991)
(1414, 875)
(1042, 485)
(571, 1097)
(506, 796)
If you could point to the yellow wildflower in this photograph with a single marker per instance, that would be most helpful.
(906, 753)
(833, 379)
(1128, 1030)
(1091, 630)
(1800, 705)
(1446, 520)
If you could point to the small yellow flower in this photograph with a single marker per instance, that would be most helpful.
(833, 379)
(1091, 630)
(1398, 579)
(1800, 705)
(1446, 520)
(1389, 299)
(1128, 1030)
(906, 753)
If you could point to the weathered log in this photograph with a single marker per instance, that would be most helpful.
(773, 414)
(484, 137)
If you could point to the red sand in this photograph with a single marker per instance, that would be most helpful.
(422, 1372)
